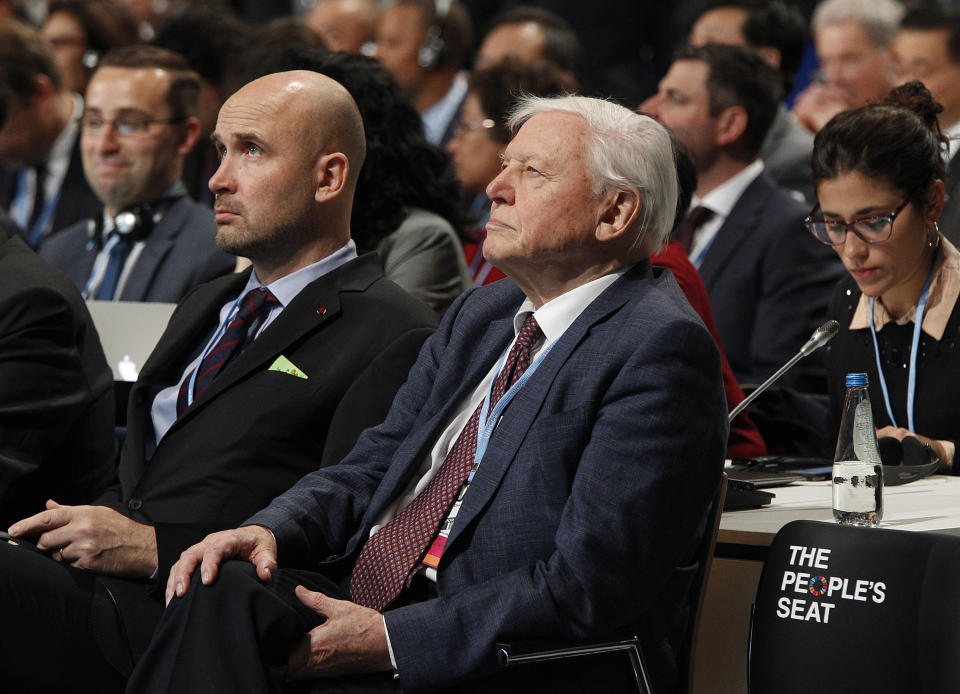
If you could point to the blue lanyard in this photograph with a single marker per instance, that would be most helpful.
(698, 259)
(488, 420)
(210, 344)
(912, 376)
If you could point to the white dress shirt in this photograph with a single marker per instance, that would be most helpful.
(721, 201)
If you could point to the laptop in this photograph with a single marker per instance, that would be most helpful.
(129, 330)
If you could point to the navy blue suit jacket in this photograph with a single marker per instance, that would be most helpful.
(180, 253)
(586, 510)
(769, 282)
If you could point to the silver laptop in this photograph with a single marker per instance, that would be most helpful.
(129, 330)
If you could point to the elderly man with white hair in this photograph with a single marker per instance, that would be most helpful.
(546, 471)
(852, 39)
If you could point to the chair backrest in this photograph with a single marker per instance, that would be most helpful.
(852, 609)
(699, 587)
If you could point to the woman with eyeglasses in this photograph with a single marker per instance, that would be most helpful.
(878, 171)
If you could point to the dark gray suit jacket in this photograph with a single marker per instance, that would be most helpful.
(586, 510)
(77, 200)
(786, 154)
(769, 282)
(950, 217)
(56, 390)
(180, 253)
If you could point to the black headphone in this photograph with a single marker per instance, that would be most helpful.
(136, 222)
(431, 53)
(132, 224)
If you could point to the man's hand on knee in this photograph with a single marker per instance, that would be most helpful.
(254, 543)
(352, 640)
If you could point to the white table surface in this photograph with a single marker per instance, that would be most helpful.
(932, 503)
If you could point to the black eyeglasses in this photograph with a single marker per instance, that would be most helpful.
(125, 124)
(875, 228)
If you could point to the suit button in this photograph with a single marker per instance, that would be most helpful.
(134, 504)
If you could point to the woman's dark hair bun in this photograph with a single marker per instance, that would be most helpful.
(917, 98)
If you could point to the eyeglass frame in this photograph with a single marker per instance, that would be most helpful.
(141, 127)
(890, 217)
(461, 128)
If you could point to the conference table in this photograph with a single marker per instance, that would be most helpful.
(720, 659)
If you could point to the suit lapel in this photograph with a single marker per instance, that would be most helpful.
(297, 319)
(158, 244)
(735, 231)
(188, 329)
(522, 412)
(190, 326)
(421, 440)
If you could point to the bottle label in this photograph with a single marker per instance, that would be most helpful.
(863, 435)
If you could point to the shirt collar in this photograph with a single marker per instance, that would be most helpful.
(944, 291)
(722, 199)
(437, 117)
(952, 133)
(287, 287)
(555, 316)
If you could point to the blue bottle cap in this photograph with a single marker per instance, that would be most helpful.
(856, 380)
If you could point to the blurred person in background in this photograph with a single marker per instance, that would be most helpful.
(345, 25)
(777, 32)
(149, 241)
(852, 40)
(927, 48)
(80, 31)
(533, 35)
(42, 184)
(424, 45)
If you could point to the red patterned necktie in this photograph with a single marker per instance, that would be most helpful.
(254, 307)
(389, 557)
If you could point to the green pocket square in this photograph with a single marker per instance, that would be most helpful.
(283, 364)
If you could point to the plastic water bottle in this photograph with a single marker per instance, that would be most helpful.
(857, 468)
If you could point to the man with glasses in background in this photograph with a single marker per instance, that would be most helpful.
(150, 242)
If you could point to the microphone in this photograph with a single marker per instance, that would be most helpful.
(820, 337)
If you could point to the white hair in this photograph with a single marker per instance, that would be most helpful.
(880, 18)
(626, 150)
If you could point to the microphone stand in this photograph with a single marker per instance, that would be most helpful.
(820, 337)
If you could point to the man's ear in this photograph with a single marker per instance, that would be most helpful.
(191, 133)
(42, 90)
(771, 55)
(731, 124)
(621, 210)
(331, 170)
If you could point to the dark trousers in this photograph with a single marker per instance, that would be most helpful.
(54, 621)
(235, 636)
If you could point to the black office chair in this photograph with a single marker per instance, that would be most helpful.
(852, 609)
(514, 654)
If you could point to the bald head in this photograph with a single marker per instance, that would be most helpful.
(318, 111)
(291, 147)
